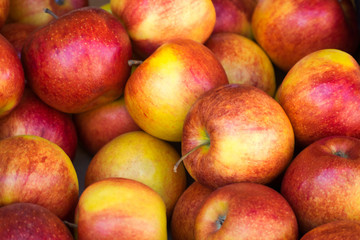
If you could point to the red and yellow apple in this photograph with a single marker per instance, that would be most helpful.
(322, 183)
(243, 60)
(288, 30)
(4, 11)
(162, 89)
(236, 133)
(321, 96)
(153, 23)
(139, 156)
(119, 207)
(35, 170)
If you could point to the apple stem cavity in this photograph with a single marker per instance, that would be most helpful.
(46, 10)
(220, 221)
(69, 224)
(134, 62)
(341, 154)
(188, 153)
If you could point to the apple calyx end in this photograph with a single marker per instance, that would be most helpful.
(46, 10)
(341, 154)
(220, 221)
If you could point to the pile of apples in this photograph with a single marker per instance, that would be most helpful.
(222, 119)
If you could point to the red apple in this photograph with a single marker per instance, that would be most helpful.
(153, 23)
(83, 60)
(236, 133)
(120, 208)
(243, 60)
(245, 211)
(12, 77)
(4, 11)
(322, 182)
(32, 11)
(33, 117)
(234, 16)
(102, 124)
(35, 170)
(31, 221)
(162, 89)
(321, 96)
(186, 210)
(288, 30)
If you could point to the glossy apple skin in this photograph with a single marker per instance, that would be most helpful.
(234, 16)
(139, 156)
(186, 210)
(83, 61)
(12, 77)
(243, 60)
(35, 170)
(162, 89)
(342, 229)
(153, 23)
(120, 207)
(251, 211)
(102, 124)
(247, 134)
(31, 221)
(33, 117)
(32, 11)
(290, 30)
(321, 186)
(4, 11)
(321, 96)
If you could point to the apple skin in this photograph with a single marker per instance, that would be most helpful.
(322, 182)
(139, 156)
(234, 16)
(12, 77)
(4, 11)
(102, 124)
(120, 207)
(243, 60)
(321, 96)
(31, 221)
(153, 23)
(343, 229)
(246, 135)
(35, 170)
(245, 211)
(83, 60)
(288, 30)
(32, 11)
(186, 210)
(162, 89)
(33, 117)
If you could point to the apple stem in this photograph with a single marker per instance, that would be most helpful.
(46, 10)
(134, 62)
(72, 225)
(188, 153)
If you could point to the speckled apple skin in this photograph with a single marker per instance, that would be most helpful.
(252, 211)
(35, 170)
(250, 137)
(322, 187)
(4, 11)
(79, 61)
(31, 221)
(321, 96)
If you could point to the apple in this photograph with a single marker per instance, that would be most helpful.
(321, 183)
(35, 170)
(321, 96)
(33, 117)
(185, 211)
(245, 211)
(32, 11)
(236, 133)
(12, 77)
(99, 126)
(243, 60)
(31, 221)
(119, 207)
(4, 11)
(83, 60)
(162, 89)
(139, 156)
(234, 16)
(288, 30)
(153, 23)
(343, 229)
